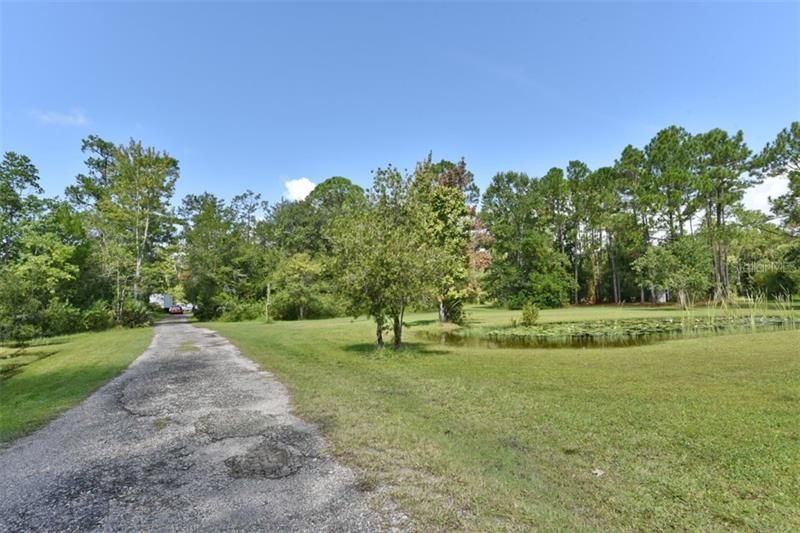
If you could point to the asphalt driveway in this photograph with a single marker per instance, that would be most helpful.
(191, 437)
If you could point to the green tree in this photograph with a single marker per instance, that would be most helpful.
(297, 280)
(670, 157)
(382, 259)
(209, 246)
(100, 166)
(782, 158)
(126, 198)
(329, 200)
(641, 200)
(722, 166)
(445, 188)
(577, 175)
(19, 186)
(526, 266)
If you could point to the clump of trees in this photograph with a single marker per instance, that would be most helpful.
(664, 221)
(85, 262)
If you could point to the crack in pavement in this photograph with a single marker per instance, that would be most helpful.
(182, 440)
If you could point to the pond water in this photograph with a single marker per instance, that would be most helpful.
(604, 335)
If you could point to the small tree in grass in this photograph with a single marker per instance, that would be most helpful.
(681, 266)
(530, 314)
(297, 277)
(381, 259)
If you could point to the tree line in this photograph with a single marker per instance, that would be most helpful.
(664, 222)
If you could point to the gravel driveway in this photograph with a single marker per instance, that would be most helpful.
(191, 437)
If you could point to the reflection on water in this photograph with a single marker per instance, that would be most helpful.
(595, 339)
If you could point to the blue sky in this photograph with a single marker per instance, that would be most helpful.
(252, 95)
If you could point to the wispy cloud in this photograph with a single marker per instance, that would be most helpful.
(75, 117)
(298, 189)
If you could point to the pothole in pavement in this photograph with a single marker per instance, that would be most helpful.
(234, 423)
(267, 461)
(281, 453)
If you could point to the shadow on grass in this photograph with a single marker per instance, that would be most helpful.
(28, 400)
(10, 368)
(408, 349)
(36, 343)
(422, 322)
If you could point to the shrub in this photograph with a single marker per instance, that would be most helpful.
(530, 314)
(25, 332)
(134, 314)
(238, 310)
(60, 318)
(775, 283)
(321, 306)
(206, 310)
(454, 310)
(98, 316)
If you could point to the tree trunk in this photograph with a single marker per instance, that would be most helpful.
(575, 290)
(614, 275)
(140, 249)
(592, 297)
(683, 299)
(118, 304)
(397, 327)
(442, 312)
(379, 332)
(136, 272)
(266, 306)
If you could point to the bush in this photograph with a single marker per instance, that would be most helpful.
(135, 314)
(238, 310)
(530, 314)
(206, 310)
(454, 310)
(321, 306)
(775, 283)
(98, 316)
(24, 332)
(60, 318)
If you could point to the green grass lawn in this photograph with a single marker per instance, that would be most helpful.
(57, 373)
(699, 433)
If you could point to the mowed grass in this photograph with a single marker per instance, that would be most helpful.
(698, 433)
(60, 372)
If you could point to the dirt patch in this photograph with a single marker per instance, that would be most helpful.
(266, 461)
(281, 453)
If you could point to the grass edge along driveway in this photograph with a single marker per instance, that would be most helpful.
(64, 372)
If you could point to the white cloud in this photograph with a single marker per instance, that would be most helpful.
(75, 117)
(758, 197)
(298, 189)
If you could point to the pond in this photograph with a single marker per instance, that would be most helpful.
(606, 334)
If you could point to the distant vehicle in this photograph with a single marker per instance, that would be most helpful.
(176, 310)
(164, 301)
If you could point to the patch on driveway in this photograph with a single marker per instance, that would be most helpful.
(185, 439)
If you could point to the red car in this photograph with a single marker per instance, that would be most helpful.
(176, 310)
